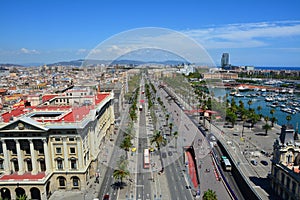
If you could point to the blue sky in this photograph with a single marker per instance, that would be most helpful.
(254, 32)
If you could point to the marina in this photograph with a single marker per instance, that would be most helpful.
(283, 104)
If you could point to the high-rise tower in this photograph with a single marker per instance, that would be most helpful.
(225, 60)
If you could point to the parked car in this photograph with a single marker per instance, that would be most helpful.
(106, 197)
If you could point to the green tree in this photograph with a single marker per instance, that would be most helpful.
(249, 103)
(171, 127)
(288, 119)
(167, 118)
(176, 137)
(120, 174)
(158, 139)
(273, 120)
(209, 195)
(244, 118)
(22, 197)
(259, 108)
(241, 105)
(231, 117)
(266, 127)
(126, 144)
(122, 162)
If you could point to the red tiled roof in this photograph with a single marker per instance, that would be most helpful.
(24, 176)
(72, 114)
(47, 97)
(13, 113)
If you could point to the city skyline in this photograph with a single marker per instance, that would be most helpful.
(253, 33)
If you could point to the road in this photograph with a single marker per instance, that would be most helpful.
(143, 177)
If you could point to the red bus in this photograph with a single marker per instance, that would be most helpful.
(146, 159)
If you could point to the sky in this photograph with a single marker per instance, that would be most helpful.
(253, 32)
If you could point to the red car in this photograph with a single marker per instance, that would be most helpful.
(106, 197)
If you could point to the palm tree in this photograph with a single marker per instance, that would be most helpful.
(122, 162)
(259, 108)
(167, 118)
(266, 127)
(126, 143)
(176, 137)
(120, 174)
(272, 111)
(244, 118)
(273, 120)
(288, 119)
(241, 105)
(158, 139)
(209, 195)
(266, 118)
(231, 117)
(249, 103)
(171, 127)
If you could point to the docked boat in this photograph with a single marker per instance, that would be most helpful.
(269, 99)
(243, 89)
(238, 95)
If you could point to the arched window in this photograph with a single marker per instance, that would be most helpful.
(75, 181)
(61, 181)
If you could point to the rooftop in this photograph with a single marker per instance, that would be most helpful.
(54, 113)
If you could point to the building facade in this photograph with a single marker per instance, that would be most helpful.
(285, 174)
(55, 145)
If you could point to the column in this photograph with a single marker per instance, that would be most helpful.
(79, 153)
(20, 158)
(33, 157)
(47, 156)
(6, 157)
(66, 162)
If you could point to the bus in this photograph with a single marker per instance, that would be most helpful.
(146, 159)
(141, 108)
(225, 163)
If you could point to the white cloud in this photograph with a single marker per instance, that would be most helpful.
(29, 51)
(244, 35)
(82, 51)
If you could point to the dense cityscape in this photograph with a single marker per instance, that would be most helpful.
(107, 130)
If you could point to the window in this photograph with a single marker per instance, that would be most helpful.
(57, 139)
(1, 164)
(72, 150)
(59, 164)
(71, 139)
(58, 150)
(62, 182)
(73, 164)
(75, 182)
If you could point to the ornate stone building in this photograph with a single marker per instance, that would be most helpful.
(285, 175)
(54, 146)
